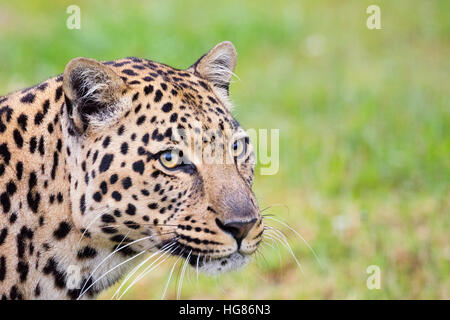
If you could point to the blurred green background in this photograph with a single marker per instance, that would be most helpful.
(364, 119)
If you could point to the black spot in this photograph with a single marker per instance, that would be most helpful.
(33, 144)
(131, 210)
(126, 183)
(11, 187)
(25, 233)
(18, 138)
(19, 170)
(2, 268)
(138, 108)
(109, 230)
(204, 85)
(22, 269)
(167, 107)
(52, 268)
(97, 196)
(140, 120)
(106, 162)
(107, 218)
(33, 200)
(129, 72)
(173, 117)
(87, 253)
(124, 148)
(41, 146)
(168, 133)
(3, 235)
(83, 204)
(62, 231)
(158, 96)
(148, 89)
(94, 158)
(153, 205)
(12, 218)
(106, 142)
(46, 106)
(55, 165)
(5, 202)
(38, 118)
(212, 99)
(42, 86)
(59, 145)
(113, 179)
(37, 291)
(4, 152)
(145, 138)
(15, 294)
(116, 196)
(22, 121)
(58, 93)
(103, 187)
(28, 98)
(139, 166)
(132, 224)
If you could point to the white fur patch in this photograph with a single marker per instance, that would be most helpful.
(231, 263)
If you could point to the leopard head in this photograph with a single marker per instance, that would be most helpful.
(157, 160)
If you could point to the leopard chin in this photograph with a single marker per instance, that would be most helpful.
(213, 267)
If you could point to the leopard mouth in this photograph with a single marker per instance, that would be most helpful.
(206, 263)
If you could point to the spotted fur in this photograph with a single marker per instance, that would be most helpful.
(80, 175)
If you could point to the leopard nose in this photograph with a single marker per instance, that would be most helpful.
(238, 229)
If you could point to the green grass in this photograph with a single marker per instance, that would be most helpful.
(364, 118)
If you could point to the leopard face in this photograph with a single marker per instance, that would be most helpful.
(158, 162)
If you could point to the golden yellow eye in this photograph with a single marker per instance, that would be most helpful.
(238, 148)
(170, 159)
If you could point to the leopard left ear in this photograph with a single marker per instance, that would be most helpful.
(217, 66)
(94, 93)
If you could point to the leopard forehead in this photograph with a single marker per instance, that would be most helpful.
(170, 98)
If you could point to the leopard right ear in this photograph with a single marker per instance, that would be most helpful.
(217, 66)
(94, 93)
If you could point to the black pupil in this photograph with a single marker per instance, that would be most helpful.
(168, 156)
(235, 145)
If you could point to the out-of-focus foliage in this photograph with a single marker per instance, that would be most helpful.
(364, 119)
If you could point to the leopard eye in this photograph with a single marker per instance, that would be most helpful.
(170, 159)
(239, 148)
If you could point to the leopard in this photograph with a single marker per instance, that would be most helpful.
(106, 164)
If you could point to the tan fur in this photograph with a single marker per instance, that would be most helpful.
(89, 151)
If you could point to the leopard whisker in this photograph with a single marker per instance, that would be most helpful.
(196, 268)
(170, 276)
(180, 283)
(110, 270)
(286, 245)
(138, 267)
(147, 270)
(101, 262)
(300, 236)
(119, 247)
